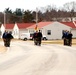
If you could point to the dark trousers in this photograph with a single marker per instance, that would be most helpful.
(69, 42)
(37, 41)
(65, 41)
(7, 42)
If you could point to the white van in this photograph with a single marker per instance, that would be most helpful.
(44, 37)
(25, 36)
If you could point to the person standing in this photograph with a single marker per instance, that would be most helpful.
(7, 36)
(64, 37)
(70, 38)
(4, 36)
(8, 39)
(35, 37)
(39, 37)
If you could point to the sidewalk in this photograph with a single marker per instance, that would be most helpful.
(2, 49)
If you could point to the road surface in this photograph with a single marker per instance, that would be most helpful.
(24, 58)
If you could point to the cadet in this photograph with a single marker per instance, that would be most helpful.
(35, 37)
(8, 39)
(70, 38)
(4, 37)
(39, 37)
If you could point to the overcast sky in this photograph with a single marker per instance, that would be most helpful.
(30, 4)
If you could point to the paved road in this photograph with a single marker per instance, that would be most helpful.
(24, 58)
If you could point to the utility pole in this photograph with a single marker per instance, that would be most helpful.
(36, 28)
(5, 20)
(36, 16)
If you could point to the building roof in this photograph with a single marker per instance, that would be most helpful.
(71, 24)
(20, 25)
(40, 24)
(9, 26)
(24, 25)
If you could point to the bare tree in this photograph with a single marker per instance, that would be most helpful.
(71, 9)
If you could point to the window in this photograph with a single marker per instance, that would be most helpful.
(48, 32)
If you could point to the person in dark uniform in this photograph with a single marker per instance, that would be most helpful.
(4, 38)
(64, 37)
(7, 36)
(35, 37)
(39, 37)
(8, 39)
(70, 38)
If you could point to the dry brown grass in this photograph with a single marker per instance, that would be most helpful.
(51, 41)
(58, 42)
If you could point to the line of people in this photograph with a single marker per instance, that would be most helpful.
(37, 37)
(7, 36)
(67, 38)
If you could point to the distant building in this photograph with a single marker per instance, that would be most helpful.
(52, 30)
